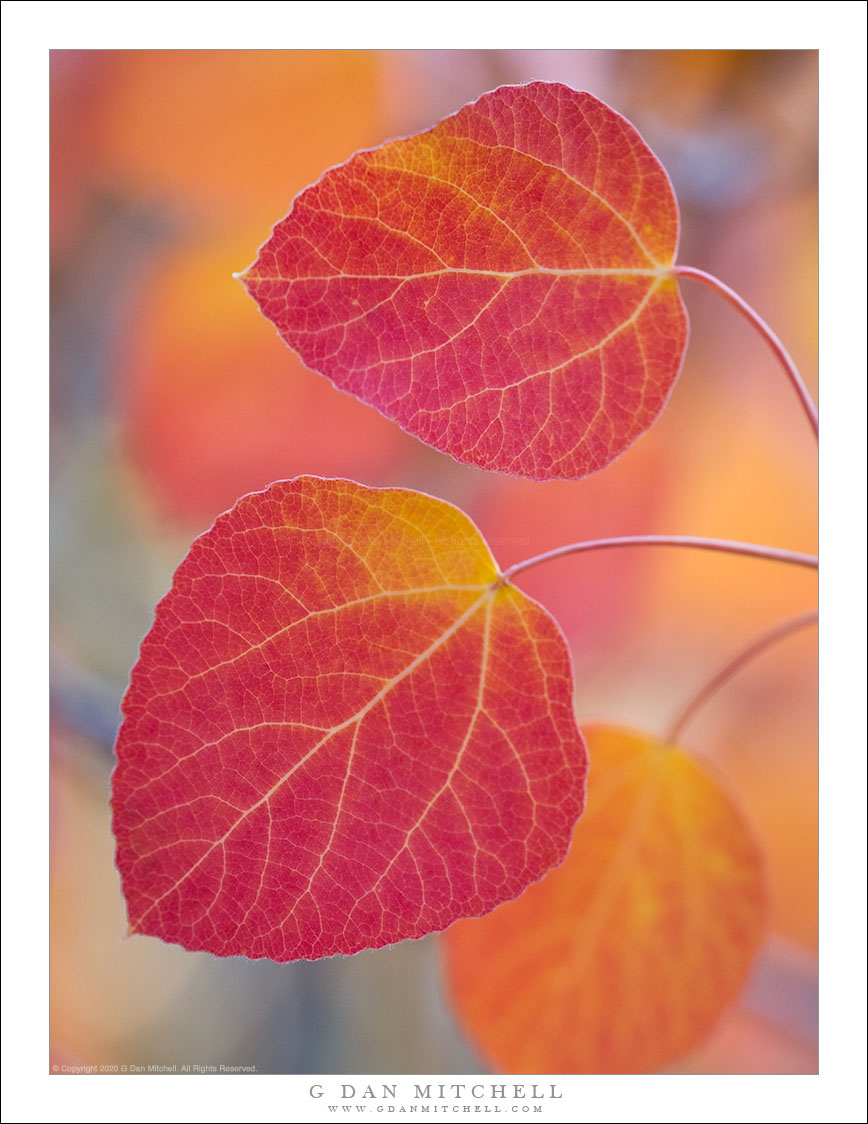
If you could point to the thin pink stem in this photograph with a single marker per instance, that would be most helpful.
(751, 550)
(732, 666)
(765, 331)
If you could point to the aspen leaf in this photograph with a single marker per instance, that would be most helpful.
(622, 959)
(343, 730)
(499, 285)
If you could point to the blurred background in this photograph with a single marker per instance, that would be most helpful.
(172, 396)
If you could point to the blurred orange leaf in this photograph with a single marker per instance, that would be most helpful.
(622, 959)
(212, 409)
(224, 128)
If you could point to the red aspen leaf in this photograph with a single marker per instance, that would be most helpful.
(498, 285)
(342, 731)
(623, 959)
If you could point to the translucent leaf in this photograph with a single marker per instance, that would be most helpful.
(498, 285)
(343, 730)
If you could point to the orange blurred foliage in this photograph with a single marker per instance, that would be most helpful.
(216, 406)
(624, 958)
(103, 990)
(211, 404)
(226, 131)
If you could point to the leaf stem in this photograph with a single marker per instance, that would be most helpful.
(765, 331)
(751, 550)
(732, 666)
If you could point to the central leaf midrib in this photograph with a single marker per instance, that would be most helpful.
(358, 717)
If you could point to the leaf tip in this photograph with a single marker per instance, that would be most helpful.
(242, 275)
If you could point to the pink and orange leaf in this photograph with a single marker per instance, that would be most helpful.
(499, 285)
(344, 730)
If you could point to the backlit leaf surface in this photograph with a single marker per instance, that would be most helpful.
(498, 285)
(342, 731)
(622, 959)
